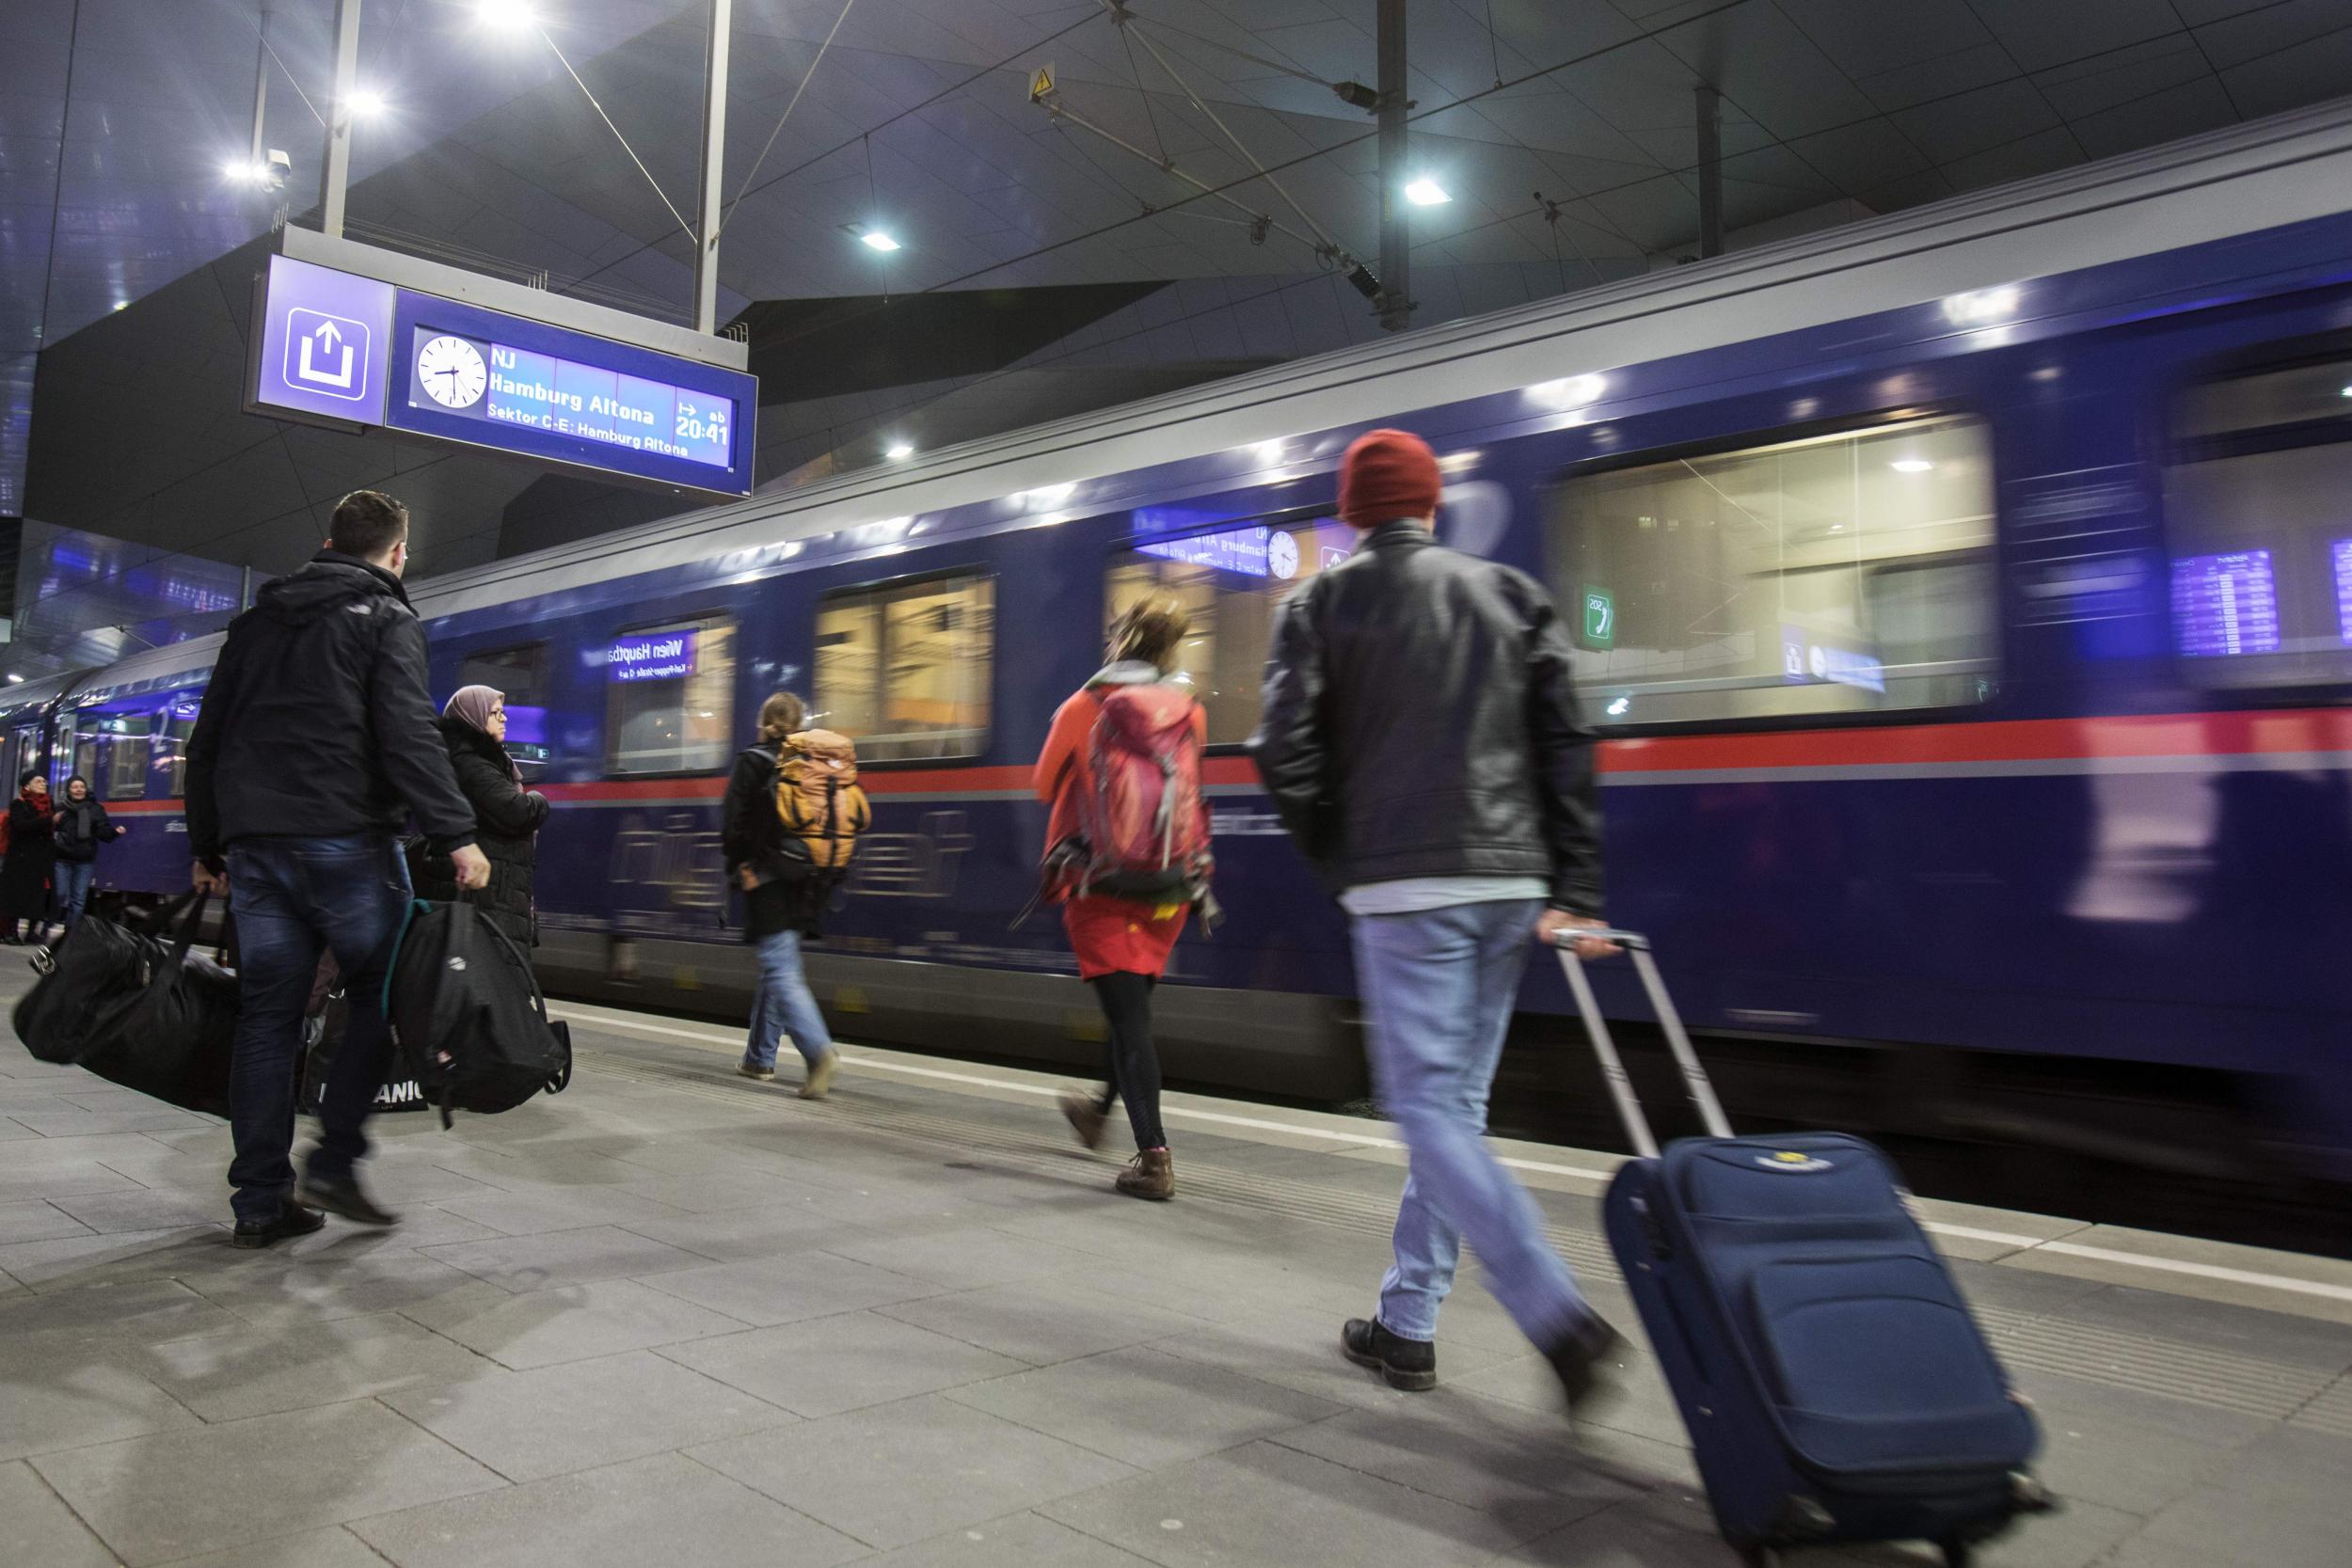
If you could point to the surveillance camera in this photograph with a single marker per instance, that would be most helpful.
(277, 168)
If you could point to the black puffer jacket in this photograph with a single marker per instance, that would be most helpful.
(1419, 721)
(509, 818)
(316, 723)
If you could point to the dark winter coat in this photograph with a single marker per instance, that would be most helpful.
(508, 818)
(317, 723)
(790, 897)
(81, 829)
(32, 859)
(1419, 720)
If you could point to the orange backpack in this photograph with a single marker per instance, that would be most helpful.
(818, 798)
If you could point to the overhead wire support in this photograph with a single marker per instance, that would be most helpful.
(1060, 111)
(745, 189)
(684, 226)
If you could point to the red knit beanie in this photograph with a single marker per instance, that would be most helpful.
(1388, 474)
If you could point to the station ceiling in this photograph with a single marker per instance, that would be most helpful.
(118, 117)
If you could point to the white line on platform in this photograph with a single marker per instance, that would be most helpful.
(611, 1018)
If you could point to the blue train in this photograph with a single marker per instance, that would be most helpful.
(1965, 599)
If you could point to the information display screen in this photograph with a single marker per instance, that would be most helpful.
(2342, 551)
(661, 656)
(498, 383)
(2225, 604)
(1243, 550)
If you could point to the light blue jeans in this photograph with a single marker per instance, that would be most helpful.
(74, 878)
(1438, 989)
(784, 1004)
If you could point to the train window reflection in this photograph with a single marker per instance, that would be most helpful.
(168, 745)
(521, 673)
(1231, 581)
(2261, 546)
(903, 669)
(671, 702)
(110, 752)
(1849, 573)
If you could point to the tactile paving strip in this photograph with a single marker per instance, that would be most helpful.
(2143, 1363)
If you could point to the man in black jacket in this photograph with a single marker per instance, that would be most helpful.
(315, 742)
(1421, 740)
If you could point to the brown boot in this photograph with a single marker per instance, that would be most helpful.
(1150, 1175)
(1086, 1118)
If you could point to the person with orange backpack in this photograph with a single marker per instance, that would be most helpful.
(789, 829)
(1127, 857)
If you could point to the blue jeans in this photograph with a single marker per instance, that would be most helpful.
(74, 878)
(295, 899)
(1438, 989)
(784, 1004)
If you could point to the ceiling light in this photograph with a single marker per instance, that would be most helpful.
(16, 680)
(511, 15)
(367, 103)
(1911, 465)
(898, 452)
(1426, 193)
(239, 171)
(2346, 392)
(875, 239)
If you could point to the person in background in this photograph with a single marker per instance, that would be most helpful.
(82, 825)
(1122, 946)
(782, 904)
(32, 860)
(1418, 735)
(508, 816)
(316, 743)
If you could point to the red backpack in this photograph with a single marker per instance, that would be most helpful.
(1145, 833)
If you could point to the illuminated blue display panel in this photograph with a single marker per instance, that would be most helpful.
(464, 374)
(2225, 604)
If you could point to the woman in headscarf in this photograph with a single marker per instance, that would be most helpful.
(507, 816)
(82, 825)
(32, 859)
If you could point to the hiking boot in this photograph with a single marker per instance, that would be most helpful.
(292, 1219)
(341, 1197)
(819, 1080)
(1407, 1364)
(1587, 1360)
(1086, 1118)
(756, 1074)
(1152, 1174)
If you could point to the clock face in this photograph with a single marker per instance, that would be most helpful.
(1282, 554)
(452, 372)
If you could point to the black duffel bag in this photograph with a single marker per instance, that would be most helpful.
(322, 1028)
(466, 1009)
(136, 1008)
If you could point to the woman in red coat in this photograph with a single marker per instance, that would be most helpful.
(1122, 945)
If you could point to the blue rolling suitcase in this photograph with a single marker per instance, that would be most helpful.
(1835, 1384)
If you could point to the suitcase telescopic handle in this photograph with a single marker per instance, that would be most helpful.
(1694, 1079)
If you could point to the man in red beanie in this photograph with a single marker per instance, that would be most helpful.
(1419, 737)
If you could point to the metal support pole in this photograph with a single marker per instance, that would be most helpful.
(1710, 110)
(339, 117)
(260, 90)
(1396, 240)
(714, 166)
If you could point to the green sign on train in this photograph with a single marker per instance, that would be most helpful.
(1600, 617)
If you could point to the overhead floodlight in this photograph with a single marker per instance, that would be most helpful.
(876, 240)
(16, 680)
(241, 171)
(367, 102)
(507, 16)
(1426, 193)
(2345, 393)
(1911, 465)
(898, 452)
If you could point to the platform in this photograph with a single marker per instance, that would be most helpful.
(675, 1317)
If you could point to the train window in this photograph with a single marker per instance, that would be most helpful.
(1848, 573)
(168, 745)
(671, 702)
(1233, 581)
(903, 669)
(110, 752)
(521, 673)
(2254, 517)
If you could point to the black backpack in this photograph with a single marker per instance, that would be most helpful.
(466, 1009)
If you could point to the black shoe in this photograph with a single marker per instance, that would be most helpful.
(1588, 1361)
(293, 1220)
(1407, 1364)
(340, 1196)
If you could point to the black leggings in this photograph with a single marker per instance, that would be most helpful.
(1129, 1059)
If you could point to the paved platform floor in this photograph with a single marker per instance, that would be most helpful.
(676, 1318)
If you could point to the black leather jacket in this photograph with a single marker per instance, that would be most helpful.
(1419, 721)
